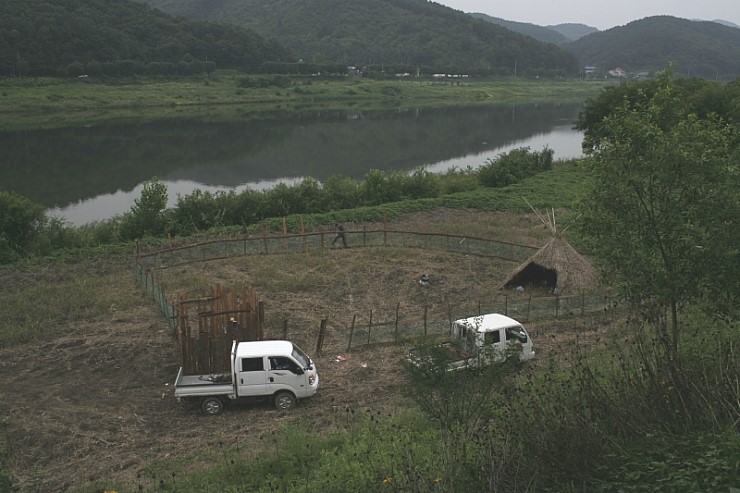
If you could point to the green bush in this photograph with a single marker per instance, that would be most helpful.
(421, 184)
(148, 216)
(380, 188)
(201, 211)
(20, 222)
(670, 463)
(515, 166)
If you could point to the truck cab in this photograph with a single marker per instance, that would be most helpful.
(271, 367)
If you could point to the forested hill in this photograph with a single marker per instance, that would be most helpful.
(120, 37)
(416, 33)
(697, 48)
(539, 33)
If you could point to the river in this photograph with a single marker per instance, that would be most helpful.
(89, 173)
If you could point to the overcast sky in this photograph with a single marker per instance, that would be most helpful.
(601, 14)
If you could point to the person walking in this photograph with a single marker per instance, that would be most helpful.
(340, 234)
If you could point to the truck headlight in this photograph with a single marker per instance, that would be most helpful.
(311, 378)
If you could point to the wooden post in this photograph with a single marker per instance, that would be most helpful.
(385, 229)
(370, 326)
(425, 320)
(322, 331)
(364, 235)
(583, 302)
(351, 332)
(398, 307)
(303, 235)
(479, 308)
(263, 233)
(285, 236)
(529, 306)
(557, 305)
(285, 329)
(260, 319)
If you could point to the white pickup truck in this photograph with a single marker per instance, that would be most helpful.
(482, 340)
(276, 369)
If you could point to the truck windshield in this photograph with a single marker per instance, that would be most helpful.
(516, 333)
(301, 357)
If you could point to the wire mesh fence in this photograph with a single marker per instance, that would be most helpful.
(263, 244)
(373, 327)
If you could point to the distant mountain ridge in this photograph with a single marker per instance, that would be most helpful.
(559, 34)
(544, 34)
(709, 49)
(573, 31)
(726, 23)
(415, 33)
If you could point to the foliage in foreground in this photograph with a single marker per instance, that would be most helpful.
(662, 215)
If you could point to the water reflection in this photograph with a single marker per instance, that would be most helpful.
(564, 141)
(90, 173)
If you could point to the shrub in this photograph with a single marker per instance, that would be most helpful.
(148, 216)
(342, 193)
(514, 166)
(421, 184)
(21, 220)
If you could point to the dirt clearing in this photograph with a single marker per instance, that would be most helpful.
(94, 400)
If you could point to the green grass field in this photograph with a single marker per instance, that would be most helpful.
(50, 102)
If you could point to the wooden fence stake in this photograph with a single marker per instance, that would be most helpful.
(351, 332)
(322, 331)
(285, 329)
(303, 235)
(583, 303)
(398, 307)
(370, 326)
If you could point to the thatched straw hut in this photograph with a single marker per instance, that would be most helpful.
(555, 265)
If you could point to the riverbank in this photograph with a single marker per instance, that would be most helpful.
(52, 103)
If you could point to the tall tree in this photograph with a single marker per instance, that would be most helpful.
(664, 208)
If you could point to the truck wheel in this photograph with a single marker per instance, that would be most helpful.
(284, 400)
(212, 405)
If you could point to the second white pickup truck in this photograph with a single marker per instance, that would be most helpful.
(482, 340)
(276, 369)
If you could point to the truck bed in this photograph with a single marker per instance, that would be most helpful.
(455, 357)
(202, 385)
